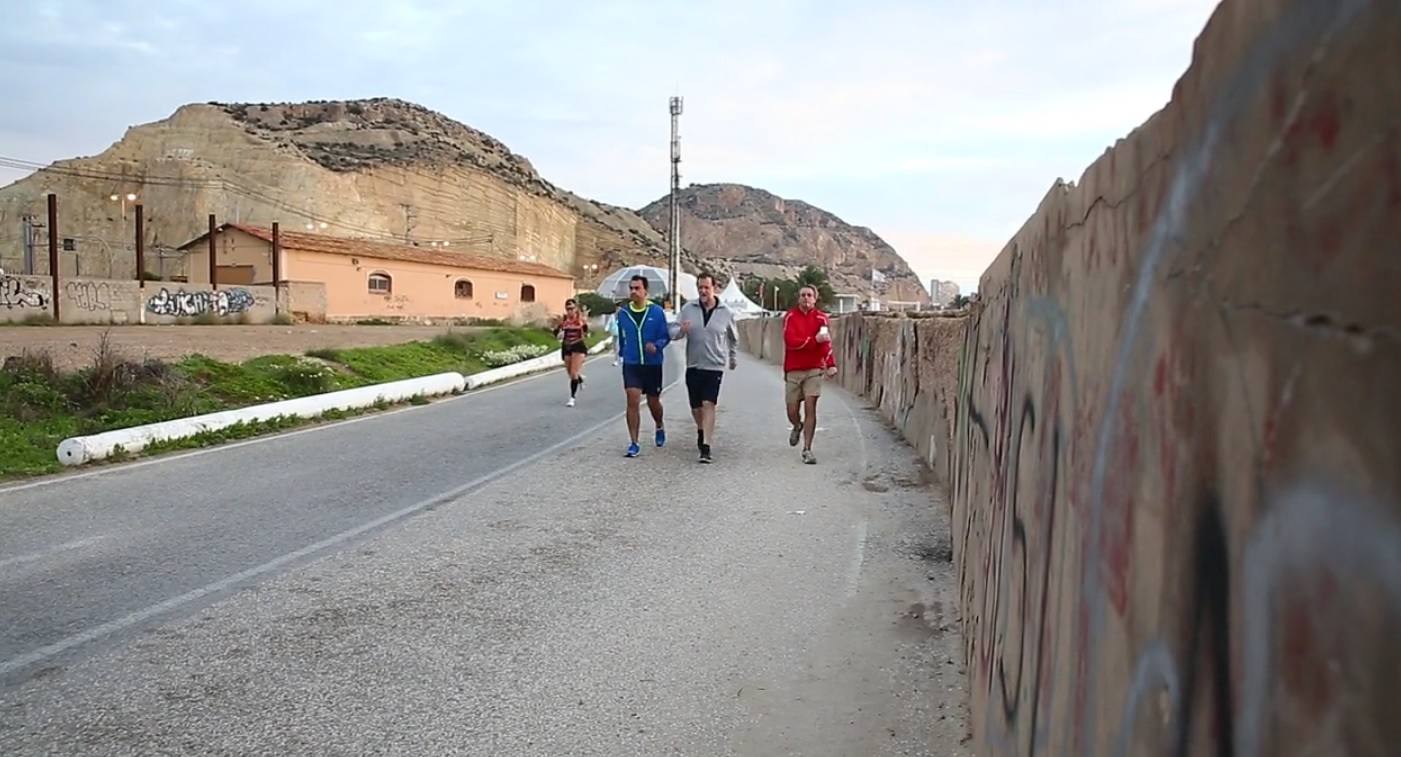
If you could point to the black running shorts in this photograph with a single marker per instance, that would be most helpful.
(703, 386)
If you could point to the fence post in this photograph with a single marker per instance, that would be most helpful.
(53, 250)
(213, 269)
(140, 248)
(276, 269)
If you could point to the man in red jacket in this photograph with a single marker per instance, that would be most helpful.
(807, 357)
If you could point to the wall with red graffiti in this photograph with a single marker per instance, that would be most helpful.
(1177, 465)
(1174, 415)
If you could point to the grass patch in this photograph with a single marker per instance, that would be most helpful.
(41, 406)
(460, 351)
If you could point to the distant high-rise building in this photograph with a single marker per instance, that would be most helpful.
(942, 292)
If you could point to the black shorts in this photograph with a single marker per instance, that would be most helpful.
(573, 348)
(703, 386)
(648, 378)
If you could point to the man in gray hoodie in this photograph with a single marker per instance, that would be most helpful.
(711, 340)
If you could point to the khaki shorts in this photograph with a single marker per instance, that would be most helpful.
(800, 384)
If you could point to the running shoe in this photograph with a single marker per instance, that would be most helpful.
(570, 403)
(634, 450)
(661, 437)
(794, 435)
(705, 454)
(809, 458)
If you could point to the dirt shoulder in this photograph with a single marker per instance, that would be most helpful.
(73, 346)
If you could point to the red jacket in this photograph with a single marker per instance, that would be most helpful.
(802, 350)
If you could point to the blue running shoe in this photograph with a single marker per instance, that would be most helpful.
(661, 437)
(634, 450)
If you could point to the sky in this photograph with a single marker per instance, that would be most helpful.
(938, 124)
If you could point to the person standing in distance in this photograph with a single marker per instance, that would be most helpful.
(642, 336)
(708, 327)
(572, 331)
(807, 357)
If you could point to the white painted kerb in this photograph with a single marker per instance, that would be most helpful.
(83, 449)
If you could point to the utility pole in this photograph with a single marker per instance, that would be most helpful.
(27, 234)
(675, 205)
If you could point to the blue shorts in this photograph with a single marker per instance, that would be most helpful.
(648, 378)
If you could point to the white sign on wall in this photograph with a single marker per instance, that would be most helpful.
(502, 295)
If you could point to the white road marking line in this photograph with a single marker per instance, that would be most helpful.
(41, 554)
(858, 560)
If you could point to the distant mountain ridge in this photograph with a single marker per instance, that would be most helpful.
(762, 234)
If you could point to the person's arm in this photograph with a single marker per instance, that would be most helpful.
(793, 338)
(677, 329)
(662, 337)
(732, 336)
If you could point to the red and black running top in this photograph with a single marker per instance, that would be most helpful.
(573, 331)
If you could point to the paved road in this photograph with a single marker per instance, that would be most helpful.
(487, 575)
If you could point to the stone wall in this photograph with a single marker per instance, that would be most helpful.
(106, 301)
(1174, 473)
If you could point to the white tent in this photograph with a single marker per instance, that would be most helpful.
(736, 300)
(614, 286)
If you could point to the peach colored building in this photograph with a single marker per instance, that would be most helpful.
(368, 279)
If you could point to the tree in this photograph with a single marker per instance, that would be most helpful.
(595, 303)
(782, 294)
(959, 302)
(817, 279)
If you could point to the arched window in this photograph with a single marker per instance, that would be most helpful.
(462, 290)
(381, 283)
(527, 293)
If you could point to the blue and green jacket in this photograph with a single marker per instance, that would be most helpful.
(633, 336)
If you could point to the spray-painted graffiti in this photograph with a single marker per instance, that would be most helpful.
(15, 293)
(182, 303)
(88, 295)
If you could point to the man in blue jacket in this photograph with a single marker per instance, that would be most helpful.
(642, 335)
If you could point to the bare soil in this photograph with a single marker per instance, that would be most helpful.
(73, 346)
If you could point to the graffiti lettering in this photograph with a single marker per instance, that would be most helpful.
(16, 293)
(88, 295)
(182, 303)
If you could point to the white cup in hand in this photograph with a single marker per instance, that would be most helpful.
(823, 335)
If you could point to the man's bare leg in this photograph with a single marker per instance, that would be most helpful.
(809, 422)
(634, 413)
(654, 403)
(707, 414)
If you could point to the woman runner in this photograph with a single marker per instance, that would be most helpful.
(571, 332)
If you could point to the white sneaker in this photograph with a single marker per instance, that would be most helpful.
(570, 403)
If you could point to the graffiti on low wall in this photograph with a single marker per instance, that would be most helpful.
(16, 293)
(91, 296)
(183, 303)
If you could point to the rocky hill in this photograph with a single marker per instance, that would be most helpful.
(759, 233)
(377, 169)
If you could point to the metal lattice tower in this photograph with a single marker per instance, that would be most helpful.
(675, 225)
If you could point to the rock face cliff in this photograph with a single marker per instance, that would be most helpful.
(375, 169)
(761, 234)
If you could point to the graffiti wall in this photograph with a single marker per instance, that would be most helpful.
(106, 301)
(1175, 474)
(23, 297)
(1174, 466)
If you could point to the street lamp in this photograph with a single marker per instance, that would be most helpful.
(123, 199)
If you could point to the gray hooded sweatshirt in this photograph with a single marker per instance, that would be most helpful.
(710, 345)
